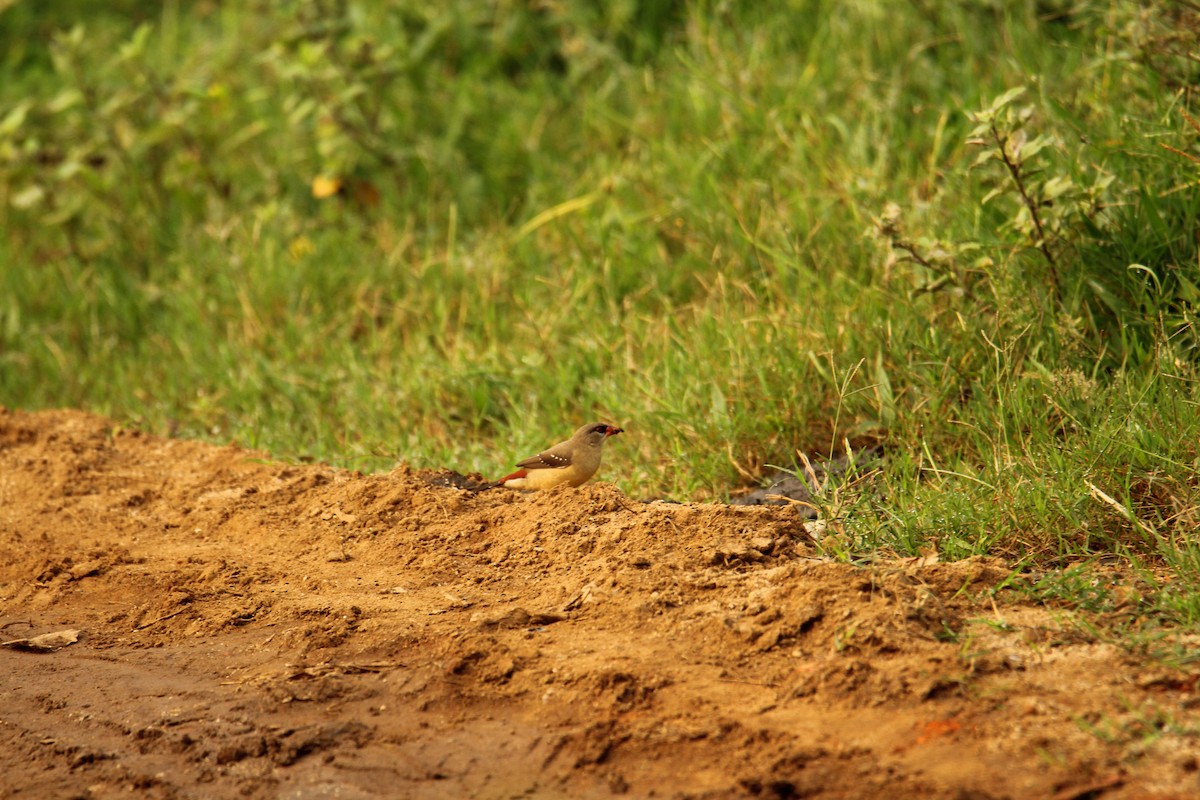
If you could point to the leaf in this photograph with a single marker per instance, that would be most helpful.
(72, 207)
(1007, 97)
(324, 187)
(1056, 187)
(1106, 297)
(819, 367)
(136, 44)
(718, 404)
(554, 212)
(1187, 290)
(28, 197)
(251, 131)
(47, 642)
(883, 392)
(301, 111)
(994, 193)
(983, 158)
(14, 119)
(354, 90)
(67, 98)
(1149, 206)
(1037, 144)
(1015, 145)
(68, 169)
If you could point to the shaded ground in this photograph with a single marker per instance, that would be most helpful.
(262, 630)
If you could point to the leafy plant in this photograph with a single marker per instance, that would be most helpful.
(1053, 212)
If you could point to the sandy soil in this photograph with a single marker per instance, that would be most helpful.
(254, 629)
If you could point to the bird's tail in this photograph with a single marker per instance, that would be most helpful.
(521, 473)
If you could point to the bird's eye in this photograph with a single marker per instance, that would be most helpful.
(600, 429)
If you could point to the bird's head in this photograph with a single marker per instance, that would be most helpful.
(596, 432)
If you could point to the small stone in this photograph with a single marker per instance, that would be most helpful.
(86, 570)
(514, 618)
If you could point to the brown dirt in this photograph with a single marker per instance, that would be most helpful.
(255, 629)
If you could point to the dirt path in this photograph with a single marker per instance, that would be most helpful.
(262, 630)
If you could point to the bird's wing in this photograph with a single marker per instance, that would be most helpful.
(557, 457)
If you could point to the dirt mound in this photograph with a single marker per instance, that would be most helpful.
(255, 629)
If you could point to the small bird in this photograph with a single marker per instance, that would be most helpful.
(571, 462)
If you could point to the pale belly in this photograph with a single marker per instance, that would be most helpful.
(542, 479)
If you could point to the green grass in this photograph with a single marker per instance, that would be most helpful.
(738, 232)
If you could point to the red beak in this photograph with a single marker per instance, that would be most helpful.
(613, 431)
